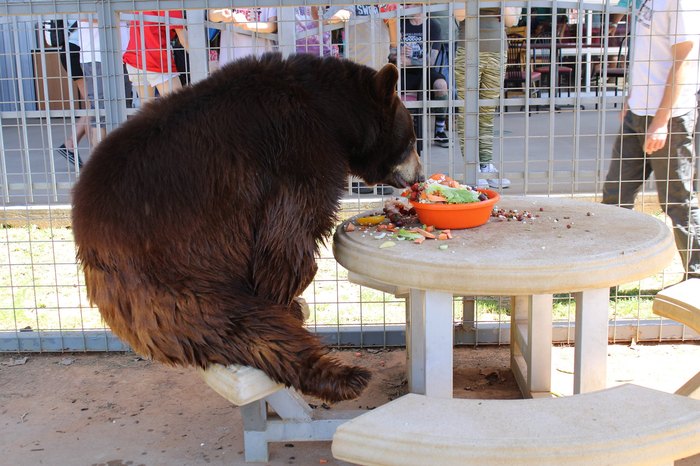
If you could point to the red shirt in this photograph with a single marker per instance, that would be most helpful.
(155, 38)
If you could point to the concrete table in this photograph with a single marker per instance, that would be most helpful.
(571, 246)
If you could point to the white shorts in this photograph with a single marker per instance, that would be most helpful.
(151, 78)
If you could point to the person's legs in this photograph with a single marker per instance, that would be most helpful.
(490, 82)
(412, 87)
(673, 170)
(145, 92)
(70, 59)
(439, 92)
(169, 86)
(459, 71)
(93, 78)
(489, 88)
(83, 123)
(629, 166)
(139, 82)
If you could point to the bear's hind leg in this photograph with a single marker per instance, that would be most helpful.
(274, 341)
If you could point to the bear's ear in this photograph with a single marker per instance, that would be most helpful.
(385, 82)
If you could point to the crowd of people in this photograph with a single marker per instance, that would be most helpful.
(658, 118)
(372, 35)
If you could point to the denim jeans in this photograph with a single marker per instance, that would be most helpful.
(672, 166)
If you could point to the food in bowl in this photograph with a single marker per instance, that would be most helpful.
(443, 202)
(441, 189)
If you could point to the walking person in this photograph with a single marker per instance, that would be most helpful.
(658, 120)
(91, 62)
(68, 42)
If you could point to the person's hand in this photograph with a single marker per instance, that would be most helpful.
(340, 16)
(655, 138)
(623, 112)
(392, 56)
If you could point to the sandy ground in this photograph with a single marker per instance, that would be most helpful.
(117, 409)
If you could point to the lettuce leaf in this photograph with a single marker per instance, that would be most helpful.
(408, 235)
(453, 195)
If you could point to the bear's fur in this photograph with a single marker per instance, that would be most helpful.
(197, 221)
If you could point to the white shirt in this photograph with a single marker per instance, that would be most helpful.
(661, 24)
(89, 41)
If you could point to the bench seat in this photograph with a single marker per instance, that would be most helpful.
(291, 419)
(239, 384)
(625, 425)
(681, 302)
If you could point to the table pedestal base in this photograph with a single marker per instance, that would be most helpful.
(591, 351)
(531, 342)
(429, 340)
(429, 343)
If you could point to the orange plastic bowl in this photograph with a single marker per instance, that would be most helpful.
(457, 216)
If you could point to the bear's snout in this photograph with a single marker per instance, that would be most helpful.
(408, 172)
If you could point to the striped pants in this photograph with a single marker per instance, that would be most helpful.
(490, 82)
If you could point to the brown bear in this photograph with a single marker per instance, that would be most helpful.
(197, 221)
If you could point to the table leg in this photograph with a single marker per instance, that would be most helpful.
(531, 344)
(591, 344)
(415, 341)
(430, 341)
(539, 368)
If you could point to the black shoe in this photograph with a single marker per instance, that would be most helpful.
(69, 155)
(358, 187)
(441, 139)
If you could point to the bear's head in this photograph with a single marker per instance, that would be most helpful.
(392, 158)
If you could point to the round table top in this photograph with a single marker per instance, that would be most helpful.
(568, 246)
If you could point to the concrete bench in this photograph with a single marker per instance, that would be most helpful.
(291, 420)
(625, 425)
(681, 302)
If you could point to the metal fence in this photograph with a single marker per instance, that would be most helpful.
(552, 138)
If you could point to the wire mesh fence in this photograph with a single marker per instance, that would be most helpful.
(552, 134)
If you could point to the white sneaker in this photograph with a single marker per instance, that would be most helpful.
(481, 183)
(494, 180)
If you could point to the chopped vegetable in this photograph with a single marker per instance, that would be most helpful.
(435, 198)
(387, 244)
(407, 234)
(371, 220)
(452, 195)
(424, 233)
(440, 189)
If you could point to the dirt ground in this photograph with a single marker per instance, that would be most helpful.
(118, 409)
